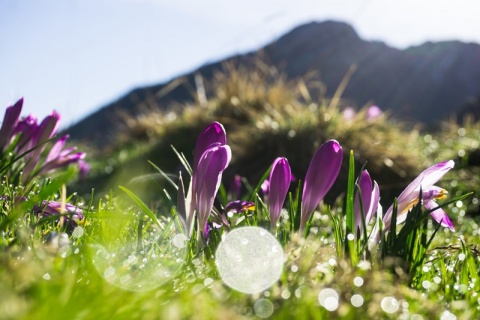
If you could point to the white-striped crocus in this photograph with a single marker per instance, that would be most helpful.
(213, 135)
(410, 197)
(207, 180)
(321, 174)
(366, 201)
(279, 182)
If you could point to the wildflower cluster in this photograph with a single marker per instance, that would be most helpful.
(25, 157)
(366, 226)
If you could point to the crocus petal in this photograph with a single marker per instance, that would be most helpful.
(48, 208)
(27, 127)
(265, 187)
(57, 148)
(208, 176)
(321, 175)
(370, 197)
(10, 120)
(239, 206)
(280, 177)
(214, 133)
(45, 131)
(84, 169)
(61, 162)
(375, 202)
(425, 181)
(439, 215)
(47, 128)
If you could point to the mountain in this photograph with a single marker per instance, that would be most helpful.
(425, 83)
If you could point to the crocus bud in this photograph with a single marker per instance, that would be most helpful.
(280, 177)
(215, 132)
(207, 179)
(213, 135)
(321, 175)
(369, 194)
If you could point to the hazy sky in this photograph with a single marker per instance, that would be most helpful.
(75, 56)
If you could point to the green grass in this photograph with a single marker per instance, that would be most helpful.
(126, 260)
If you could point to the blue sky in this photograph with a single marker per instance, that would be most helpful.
(76, 56)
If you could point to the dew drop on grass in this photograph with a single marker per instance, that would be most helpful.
(109, 272)
(207, 282)
(358, 281)
(249, 259)
(286, 294)
(461, 257)
(447, 315)
(298, 292)
(328, 298)
(78, 232)
(389, 304)
(197, 288)
(463, 288)
(426, 284)
(46, 276)
(357, 300)
(139, 263)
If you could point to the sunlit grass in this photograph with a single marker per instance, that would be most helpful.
(129, 257)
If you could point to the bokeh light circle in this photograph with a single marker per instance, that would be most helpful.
(249, 259)
(263, 308)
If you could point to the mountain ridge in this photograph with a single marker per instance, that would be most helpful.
(427, 82)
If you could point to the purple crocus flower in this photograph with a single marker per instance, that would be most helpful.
(349, 113)
(239, 206)
(410, 197)
(48, 208)
(265, 187)
(370, 195)
(84, 169)
(279, 181)
(321, 175)
(46, 130)
(59, 157)
(235, 187)
(12, 113)
(207, 180)
(373, 113)
(213, 135)
(26, 127)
